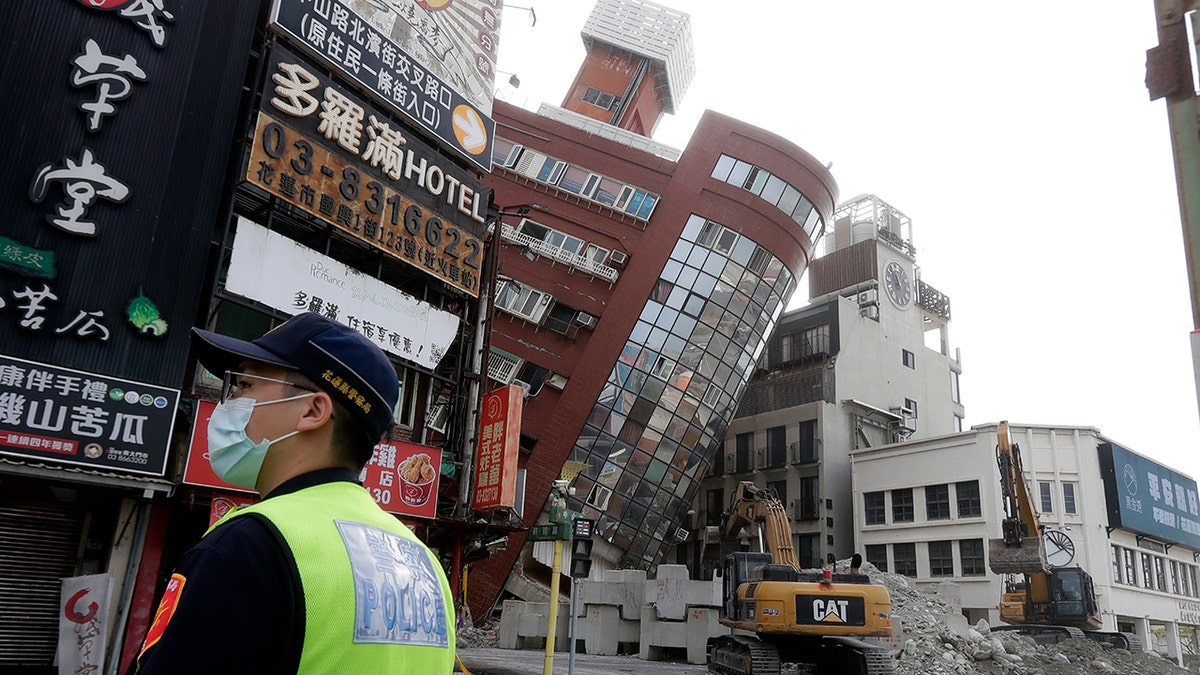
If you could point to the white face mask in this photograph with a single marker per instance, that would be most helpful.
(234, 457)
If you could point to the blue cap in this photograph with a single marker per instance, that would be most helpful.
(340, 361)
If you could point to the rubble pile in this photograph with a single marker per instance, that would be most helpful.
(930, 646)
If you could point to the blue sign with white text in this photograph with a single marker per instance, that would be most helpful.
(1147, 497)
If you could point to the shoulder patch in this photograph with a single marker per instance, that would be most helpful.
(166, 609)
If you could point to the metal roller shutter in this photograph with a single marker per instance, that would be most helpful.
(38, 546)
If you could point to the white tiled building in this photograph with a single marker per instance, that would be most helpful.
(927, 508)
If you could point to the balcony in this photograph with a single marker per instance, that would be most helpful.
(802, 453)
(558, 255)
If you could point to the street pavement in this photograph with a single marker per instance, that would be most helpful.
(495, 661)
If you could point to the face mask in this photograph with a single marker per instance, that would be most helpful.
(233, 456)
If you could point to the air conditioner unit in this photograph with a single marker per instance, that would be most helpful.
(524, 385)
(618, 258)
(586, 320)
(870, 312)
(868, 297)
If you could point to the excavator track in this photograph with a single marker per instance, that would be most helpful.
(745, 655)
(742, 655)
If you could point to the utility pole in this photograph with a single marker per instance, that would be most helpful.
(1169, 76)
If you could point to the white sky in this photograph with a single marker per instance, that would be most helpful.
(1018, 137)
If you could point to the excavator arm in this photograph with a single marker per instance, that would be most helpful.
(752, 504)
(1020, 550)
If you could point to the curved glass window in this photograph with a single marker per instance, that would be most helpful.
(776, 191)
(669, 398)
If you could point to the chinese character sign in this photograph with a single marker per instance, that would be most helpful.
(86, 419)
(403, 478)
(499, 442)
(1149, 498)
(83, 623)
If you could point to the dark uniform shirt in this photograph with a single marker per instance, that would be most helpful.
(241, 608)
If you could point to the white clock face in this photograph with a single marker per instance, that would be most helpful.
(1060, 550)
(895, 280)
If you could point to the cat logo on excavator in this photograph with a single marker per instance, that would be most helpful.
(830, 611)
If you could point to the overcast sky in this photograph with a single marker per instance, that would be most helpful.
(1020, 140)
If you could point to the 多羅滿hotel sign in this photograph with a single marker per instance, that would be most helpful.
(329, 153)
(85, 419)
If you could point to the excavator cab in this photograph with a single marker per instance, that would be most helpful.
(1073, 597)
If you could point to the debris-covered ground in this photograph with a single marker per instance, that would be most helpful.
(930, 647)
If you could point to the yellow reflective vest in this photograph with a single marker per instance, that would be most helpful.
(376, 600)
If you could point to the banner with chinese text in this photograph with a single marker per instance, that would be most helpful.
(499, 443)
(83, 623)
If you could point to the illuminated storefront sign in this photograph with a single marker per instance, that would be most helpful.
(298, 279)
(84, 419)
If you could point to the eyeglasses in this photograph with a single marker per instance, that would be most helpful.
(235, 385)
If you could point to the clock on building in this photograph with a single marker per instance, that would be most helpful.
(1060, 550)
(895, 281)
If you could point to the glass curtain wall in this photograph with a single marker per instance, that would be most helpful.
(662, 416)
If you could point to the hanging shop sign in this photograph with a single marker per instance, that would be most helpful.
(124, 151)
(499, 442)
(432, 62)
(85, 419)
(83, 623)
(276, 271)
(403, 478)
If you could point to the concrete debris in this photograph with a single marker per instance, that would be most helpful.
(935, 641)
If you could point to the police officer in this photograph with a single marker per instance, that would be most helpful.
(315, 578)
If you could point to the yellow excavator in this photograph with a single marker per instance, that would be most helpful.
(1049, 604)
(779, 614)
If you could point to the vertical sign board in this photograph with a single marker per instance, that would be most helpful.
(499, 442)
(431, 61)
(403, 478)
(83, 623)
(118, 135)
(1147, 497)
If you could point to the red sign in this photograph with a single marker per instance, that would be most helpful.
(499, 442)
(198, 471)
(403, 478)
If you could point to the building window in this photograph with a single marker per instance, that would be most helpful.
(776, 447)
(806, 447)
(873, 508)
(905, 556)
(911, 406)
(954, 395)
(909, 359)
(1147, 572)
(958, 423)
(937, 502)
(967, 494)
(771, 188)
(600, 99)
(809, 499)
(1130, 567)
(941, 559)
(780, 489)
(742, 459)
(1044, 488)
(970, 551)
(521, 300)
(1116, 564)
(876, 554)
(1069, 498)
(809, 551)
(1160, 577)
(1192, 576)
(1175, 577)
(714, 507)
(902, 506)
(502, 366)
(405, 413)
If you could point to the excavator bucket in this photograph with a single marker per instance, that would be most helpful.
(1028, 557)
